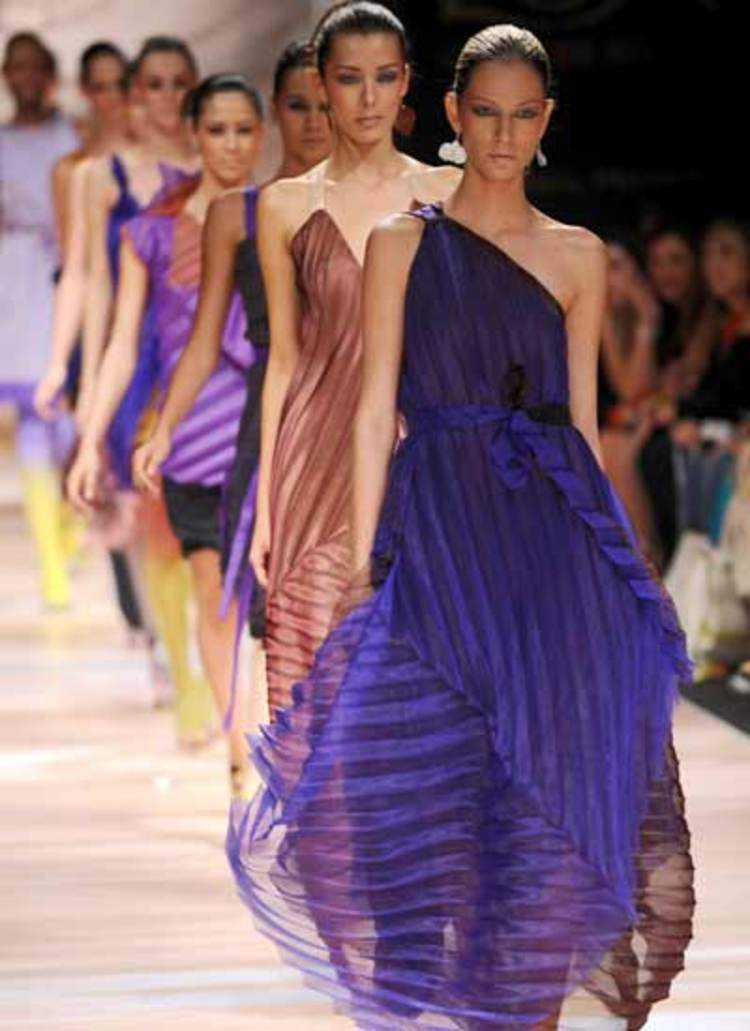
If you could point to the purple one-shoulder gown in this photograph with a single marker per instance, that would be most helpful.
(472, 814)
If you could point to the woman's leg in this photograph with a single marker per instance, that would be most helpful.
(216, 638)
(43, 502)
(166, 596)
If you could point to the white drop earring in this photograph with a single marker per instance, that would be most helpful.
(452, 151)
(541, 157)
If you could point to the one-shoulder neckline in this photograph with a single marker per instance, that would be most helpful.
(501, 253)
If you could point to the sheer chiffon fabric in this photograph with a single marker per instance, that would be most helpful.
(472, 815)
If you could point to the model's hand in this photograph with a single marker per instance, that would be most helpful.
(260, 546)
(147, 460)
(47, 390)
(84, 404)
(84, 478)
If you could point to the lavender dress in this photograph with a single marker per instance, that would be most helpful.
(123, 428)
(471, 808)
(28, 259)
(203, 445)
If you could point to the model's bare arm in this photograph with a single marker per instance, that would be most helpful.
(98, 288)
(115, 374)
(390, 251)
(279, 277)
(584, 329)
(69, 294)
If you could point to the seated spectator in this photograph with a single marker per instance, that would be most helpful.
(711, 424)
(687, 331)
(628, 375)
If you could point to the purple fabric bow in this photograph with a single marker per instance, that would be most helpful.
(512, 449)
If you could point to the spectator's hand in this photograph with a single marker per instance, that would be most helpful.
(663, 410)
(642, 297)
(686, 433)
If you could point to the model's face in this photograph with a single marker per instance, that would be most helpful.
(302, 116)
(105, 87)
(28, 75)
(671, 268)
(726, 263)
(622, 269)
(501, 117)
(163, 81)
(229, 136)
(366, 80)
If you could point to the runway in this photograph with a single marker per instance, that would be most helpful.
(116, 907)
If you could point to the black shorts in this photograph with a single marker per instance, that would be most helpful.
(193, 512)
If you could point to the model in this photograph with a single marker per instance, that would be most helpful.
(472, 816)
(161, 264)
(312, 232)
(30, 145)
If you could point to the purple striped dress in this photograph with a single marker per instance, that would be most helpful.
(204, 444)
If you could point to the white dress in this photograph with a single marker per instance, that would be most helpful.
(28, 251)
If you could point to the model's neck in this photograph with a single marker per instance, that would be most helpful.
(373, 163)
(108, 140)
(33, 114)
(164, 146)
(500, 206)
(209, 188)
(108, 137)
(290, 168)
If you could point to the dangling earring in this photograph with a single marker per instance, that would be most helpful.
(453, 151)
(406, 119)
(541, 157)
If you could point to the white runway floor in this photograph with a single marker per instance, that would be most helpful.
(116, 907)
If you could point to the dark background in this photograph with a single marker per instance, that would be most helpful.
(652, 117)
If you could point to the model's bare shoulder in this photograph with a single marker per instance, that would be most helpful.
(99, 178)
(575, 251)
(226, 215)
(394, 240)
(437, 182)
(63, 168)
(586, 257)
(576, 242)
(286, 203)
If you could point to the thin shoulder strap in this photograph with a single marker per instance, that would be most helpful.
(118, 171)
(251, 209)
(318, 190)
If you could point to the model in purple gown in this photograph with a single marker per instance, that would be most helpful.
(472, 809)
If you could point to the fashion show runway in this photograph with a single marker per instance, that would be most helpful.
(116, 906)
